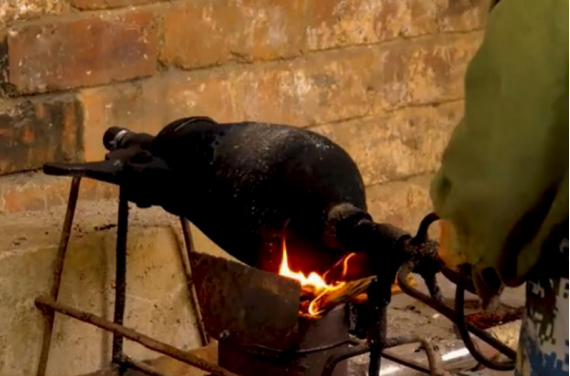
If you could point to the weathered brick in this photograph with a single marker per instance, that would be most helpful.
(336, 23)
(326, 87)
(109, 4)
(15, 10)
(86, 51)
(397, 145)
(462, 15)
(322, 88)
(402, 203)
(149, 105)
(342, 84)
(425, 71)
(212, 32)
(35, 132)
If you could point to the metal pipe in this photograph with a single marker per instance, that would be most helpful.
(377, 339)
(149, 343)
(362, 347)
(351, 352)
(49, 316)
(120, 275)
(466, 337)
(451, 314)
(434, 360)
(405, 362)
(187, 265)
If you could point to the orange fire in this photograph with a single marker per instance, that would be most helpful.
(314, 281)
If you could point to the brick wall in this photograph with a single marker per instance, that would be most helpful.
(381, 77)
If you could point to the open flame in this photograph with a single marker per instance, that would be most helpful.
(314, 283)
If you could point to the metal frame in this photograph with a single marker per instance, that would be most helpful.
(50, 305)
(435, 367)
(377, 343)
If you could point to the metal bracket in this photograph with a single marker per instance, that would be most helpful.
(50, 305)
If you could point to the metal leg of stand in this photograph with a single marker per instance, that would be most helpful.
(58, 271)
(120, 277)
(187, 264)
(377, 342)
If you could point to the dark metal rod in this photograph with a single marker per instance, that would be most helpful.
(362, 347)
(422, 234)
(187, 265)
(466, 337)
(451, 314)
(434, 359)
(351, 352)
(377, 342)
(141, 367)
(57, 273)
(296, 352)
(359, 348)
(405, 362)
(120, 275)
(149, 343)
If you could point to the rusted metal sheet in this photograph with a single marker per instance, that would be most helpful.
(244, 304)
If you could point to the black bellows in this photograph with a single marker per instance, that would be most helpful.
(246, 186)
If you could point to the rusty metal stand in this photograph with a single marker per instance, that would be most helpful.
(376, 345)
(152, 344)
(120, 279)
(57, 272)
(187, 263)
(49, 304)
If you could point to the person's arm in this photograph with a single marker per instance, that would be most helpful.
(503, 183)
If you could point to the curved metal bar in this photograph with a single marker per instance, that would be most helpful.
(312, 350)
(451, 314)
(466, 337)
(351, 352)
(422, 233)
(187, 266)
(362, 347)
(406, 362)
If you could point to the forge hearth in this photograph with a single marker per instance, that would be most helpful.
(255, 317)
(317, 339)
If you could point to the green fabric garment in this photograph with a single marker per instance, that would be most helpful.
(503, 183)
